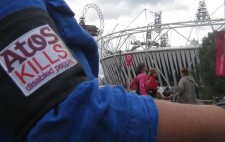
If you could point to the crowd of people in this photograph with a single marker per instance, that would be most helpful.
(185, 92)
(49, 87)
(148, 85)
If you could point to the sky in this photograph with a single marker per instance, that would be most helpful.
(122, 12)
(118, 14)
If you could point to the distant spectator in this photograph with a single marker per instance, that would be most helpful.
(221, 102)
(152, 82)
(167, 94)
(142, 79)
(186, 86)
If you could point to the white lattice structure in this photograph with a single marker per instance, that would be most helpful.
(167, 61)
(152, 45)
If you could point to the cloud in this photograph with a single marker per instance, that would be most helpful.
(130, 3)
(123, 12)
(115, 9)
(120, 13)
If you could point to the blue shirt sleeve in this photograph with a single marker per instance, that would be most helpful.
(93, 114)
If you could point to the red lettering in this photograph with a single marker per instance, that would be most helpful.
(39, 41)
(22, 74)
(20, 47)
(47, 32)
(36, 42)
(39, 65)
(10, 58)
(49, 58)
(64, 53)
(33, 67)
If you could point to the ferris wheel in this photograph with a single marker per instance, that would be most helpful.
(92, 29)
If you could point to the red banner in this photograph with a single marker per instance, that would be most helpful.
(129, 59)
(220, 53)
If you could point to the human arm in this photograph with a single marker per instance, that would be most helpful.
(190, 123)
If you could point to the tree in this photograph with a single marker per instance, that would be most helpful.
(211, 84)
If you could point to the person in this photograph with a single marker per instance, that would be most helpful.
(167, 94)
(186, 86)
(50, 89)
(142, 79)
(221, 102)
(152, 82)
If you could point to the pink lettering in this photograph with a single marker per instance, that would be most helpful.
(63, 52)
(40, 66)
(10, 58)
(22, 50)
(49, 58)
(22, 74)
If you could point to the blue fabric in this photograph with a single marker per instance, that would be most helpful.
(92, 114)
(89, 113)
(75, 37)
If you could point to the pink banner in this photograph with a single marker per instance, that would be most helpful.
(129, 59)
(220, 53)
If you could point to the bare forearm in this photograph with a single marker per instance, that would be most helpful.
(190, 123)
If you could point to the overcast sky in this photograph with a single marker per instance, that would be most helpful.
(122, 12)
